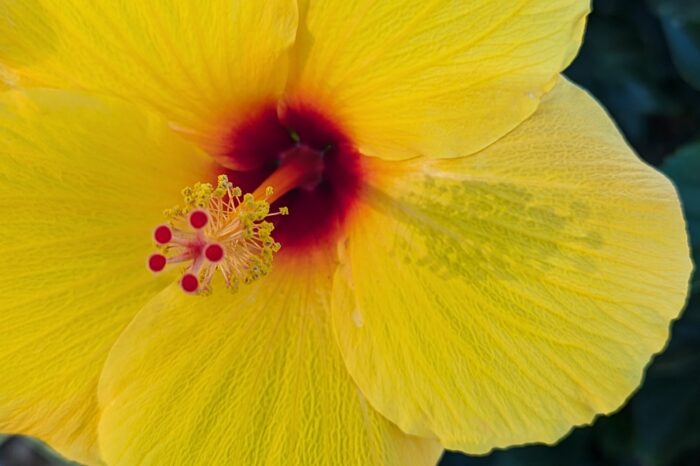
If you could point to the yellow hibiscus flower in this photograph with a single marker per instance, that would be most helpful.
(473, 256)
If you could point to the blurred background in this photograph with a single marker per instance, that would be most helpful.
(641, 59)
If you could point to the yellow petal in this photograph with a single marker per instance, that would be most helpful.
(8, 78)
(82, 184)
(244, 379)
(502, 298)
(439, 78)
(201, 63)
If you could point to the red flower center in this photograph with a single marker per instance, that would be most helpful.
(300, 175)
(330, 166)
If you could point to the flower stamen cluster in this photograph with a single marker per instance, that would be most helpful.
(219, 228)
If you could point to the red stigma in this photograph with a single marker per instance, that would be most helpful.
(163, 234)
(156, 262)
(214, 252)
(222, 230)
(189, 283)
(198, 219)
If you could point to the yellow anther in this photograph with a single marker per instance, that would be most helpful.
(237, 224)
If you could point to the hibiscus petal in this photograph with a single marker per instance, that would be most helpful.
(82, 184)
(248, 378)
(440, 78)
(502, 298)
(202, 63)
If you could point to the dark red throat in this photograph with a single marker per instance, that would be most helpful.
(319, 206)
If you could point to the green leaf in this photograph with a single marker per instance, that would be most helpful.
(684, 41)
(680, 20)
(679, 9)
